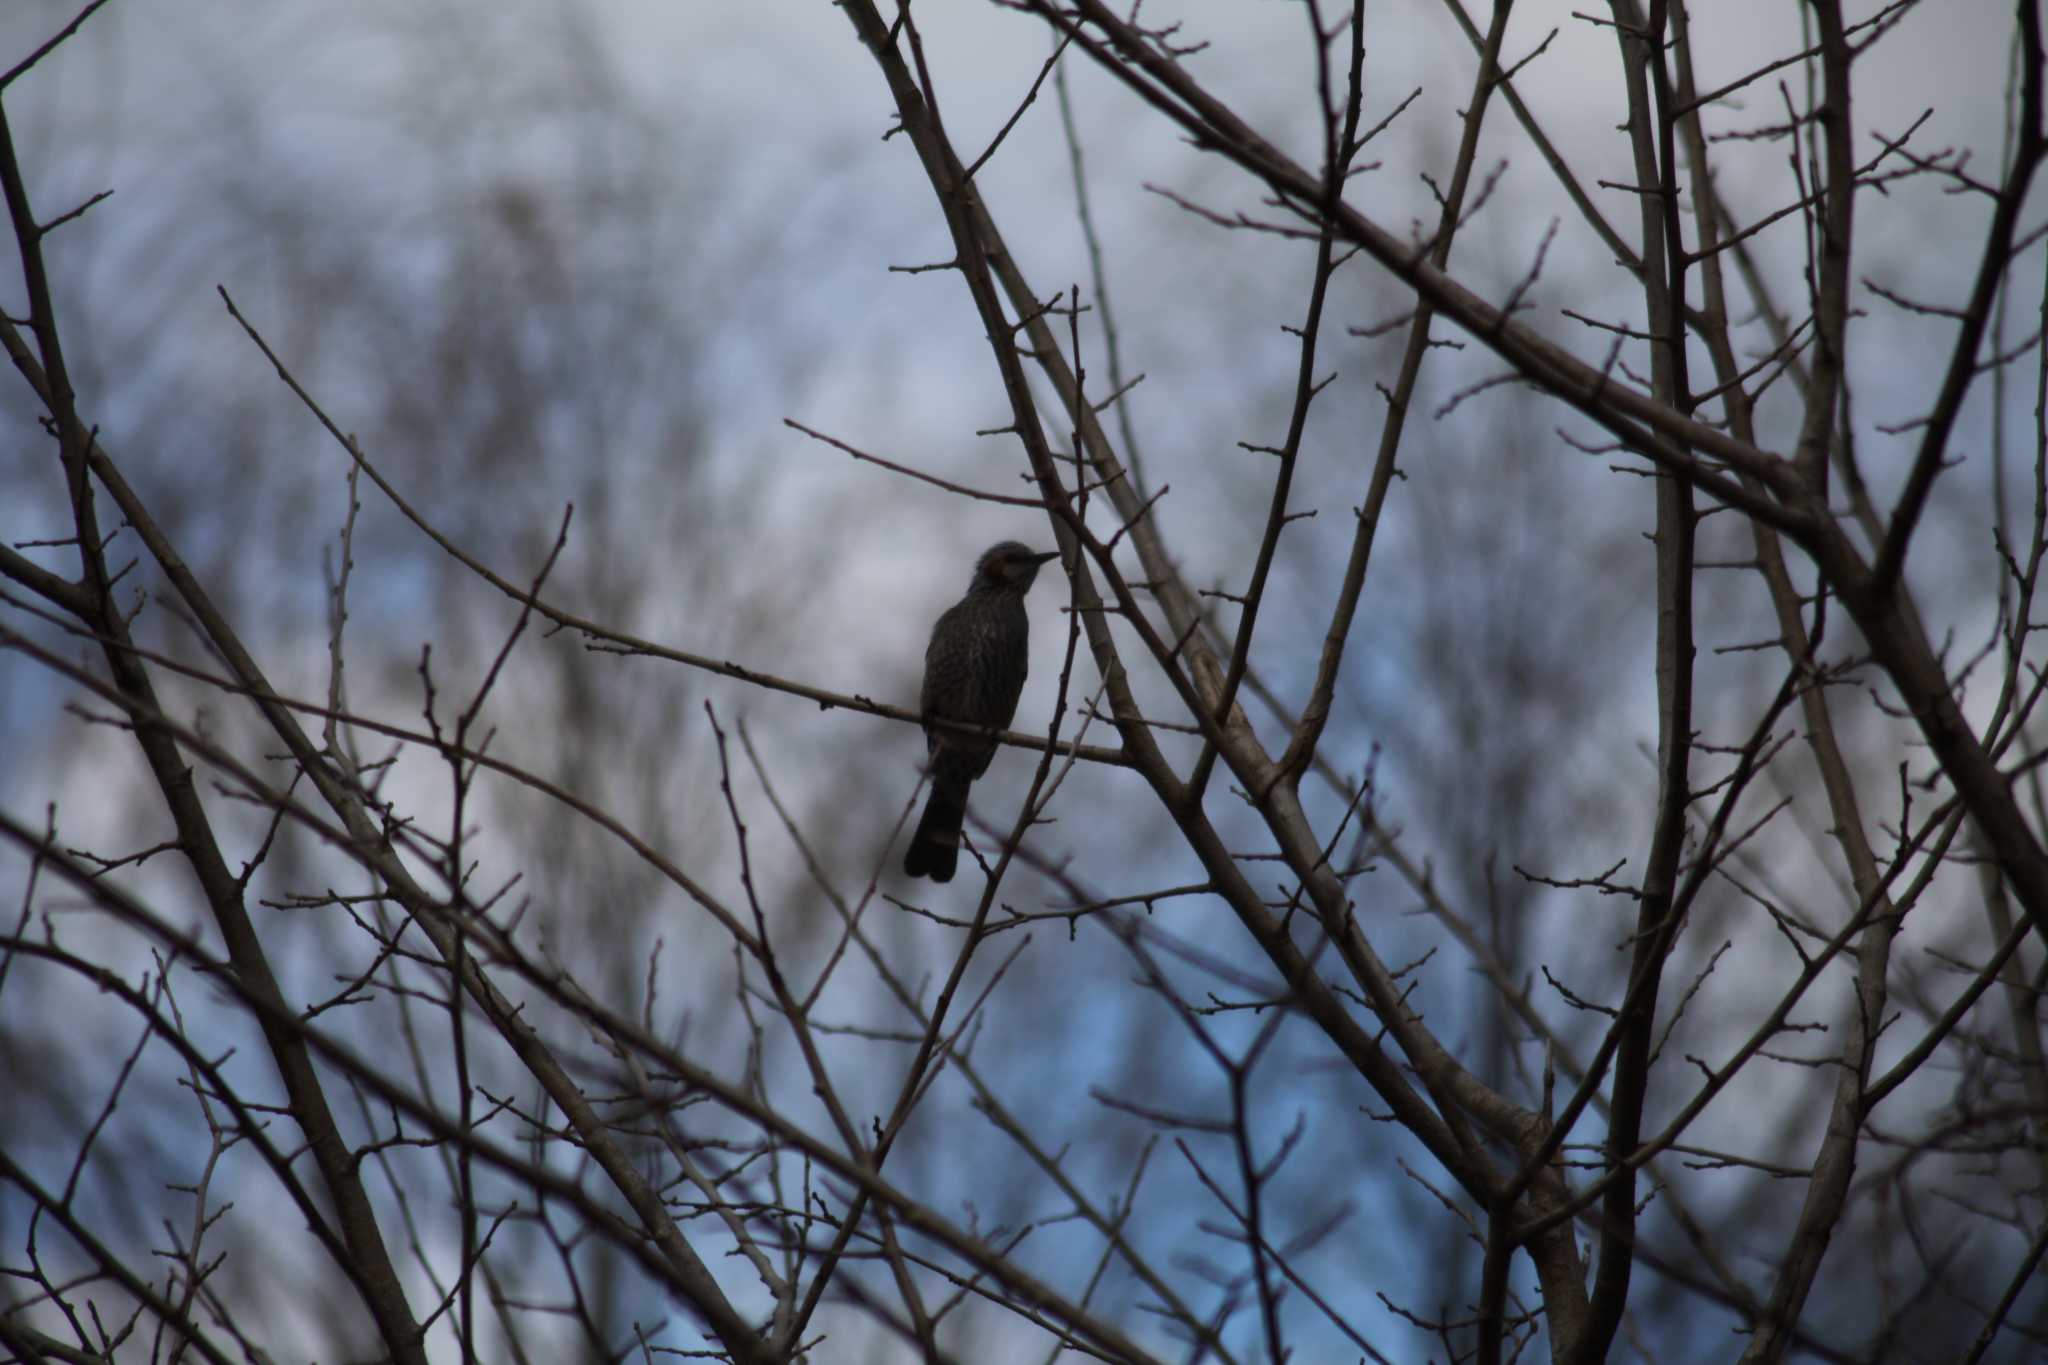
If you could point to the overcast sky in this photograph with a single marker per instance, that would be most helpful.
(755, 133)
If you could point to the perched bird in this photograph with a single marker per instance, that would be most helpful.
(973, 672)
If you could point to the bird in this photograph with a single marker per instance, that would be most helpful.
(973, 673)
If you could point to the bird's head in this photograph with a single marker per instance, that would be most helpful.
(1009, 566)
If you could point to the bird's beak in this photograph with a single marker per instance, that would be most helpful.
(1049, 554)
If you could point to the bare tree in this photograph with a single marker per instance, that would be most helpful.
(1532, 843)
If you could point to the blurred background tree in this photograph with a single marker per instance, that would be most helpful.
(543, 261)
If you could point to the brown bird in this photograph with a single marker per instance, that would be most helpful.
(973, 672)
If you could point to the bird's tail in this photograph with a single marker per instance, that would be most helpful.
(935, 849)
